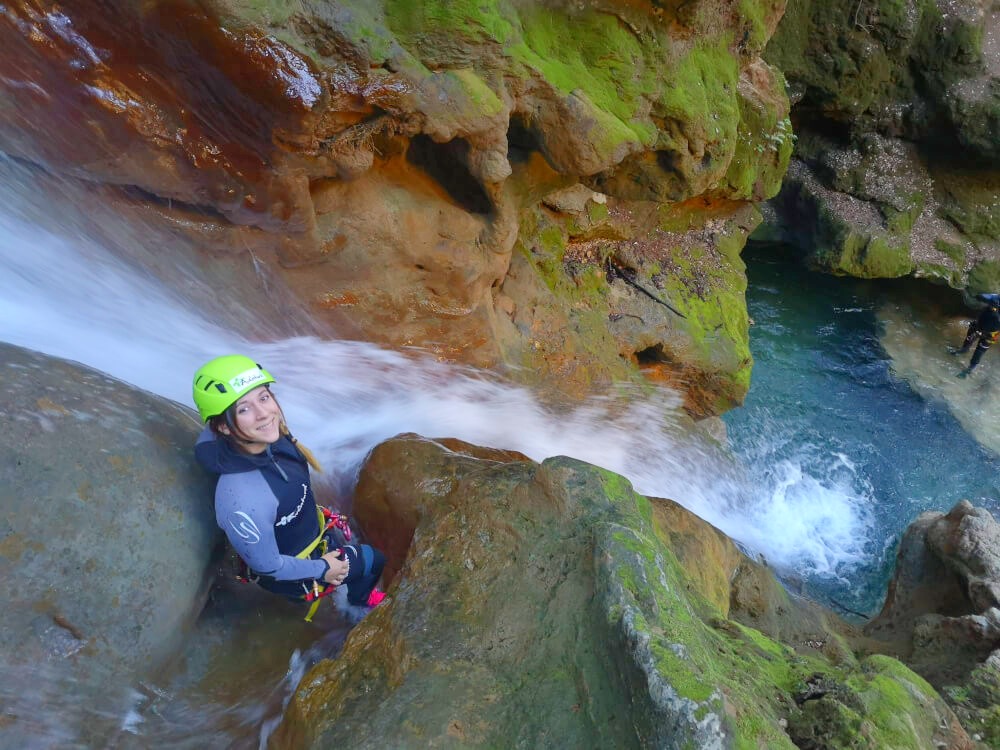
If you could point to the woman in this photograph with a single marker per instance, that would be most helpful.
(264, 500)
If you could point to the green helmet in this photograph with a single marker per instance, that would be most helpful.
(220, 383)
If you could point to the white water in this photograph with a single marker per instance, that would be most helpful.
(63, 294)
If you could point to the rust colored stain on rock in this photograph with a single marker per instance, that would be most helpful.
(102, 73)
(329, 301)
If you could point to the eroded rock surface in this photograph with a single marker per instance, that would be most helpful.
(396, 162)
(897, 168)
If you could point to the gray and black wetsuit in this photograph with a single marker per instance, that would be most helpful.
(987, 328)
(265, 505)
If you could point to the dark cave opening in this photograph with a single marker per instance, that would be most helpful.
(448, 164)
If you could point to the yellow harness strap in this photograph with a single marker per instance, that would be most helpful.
(304, 554)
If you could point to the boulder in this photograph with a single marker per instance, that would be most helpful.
(942, 610)
(106, 536)
(943, 605)
(549, 605)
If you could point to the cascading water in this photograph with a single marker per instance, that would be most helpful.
(789, 491)
(831, 414)
(67, 297)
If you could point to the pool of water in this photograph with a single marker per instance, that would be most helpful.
(827, 399)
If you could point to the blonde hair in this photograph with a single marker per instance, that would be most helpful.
(309, 456)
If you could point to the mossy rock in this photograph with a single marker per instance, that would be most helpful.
(969, 199)
(608, 295)
(604, 640)
(984, 278)
(763, 146)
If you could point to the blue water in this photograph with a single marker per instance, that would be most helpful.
(824, 399)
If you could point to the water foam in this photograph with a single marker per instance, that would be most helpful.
(69, 298)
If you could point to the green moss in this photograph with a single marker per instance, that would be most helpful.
(701, 91)
(971, 204)
(885, 258)
(754, 20)
(894, 701)
(848, 56)
(956, 694)
(953, 250)
(713, 304)
(901, 222)
(763, 150)
(990, 727)
(947, 47)
(597, 212)
(475, 90)
(474, 20)
(698, 661)
(984, 277)
(895, 669)
(882, 701)
(953, 277)
(617, 488)
(597, 59)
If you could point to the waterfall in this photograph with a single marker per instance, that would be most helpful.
(65, 294)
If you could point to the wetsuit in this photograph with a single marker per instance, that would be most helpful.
(265, 505)
(987, 328)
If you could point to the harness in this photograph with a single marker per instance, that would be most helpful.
(329, 524)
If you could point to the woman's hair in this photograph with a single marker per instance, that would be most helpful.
(236, 438)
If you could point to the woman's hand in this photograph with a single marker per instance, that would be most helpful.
(338, 568)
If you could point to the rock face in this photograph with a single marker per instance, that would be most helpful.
(897, 167)
(942, 612)
(106, 538)
(399, 164)
(547, 605)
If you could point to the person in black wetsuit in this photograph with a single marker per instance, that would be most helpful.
(264, 499)
(986, 327)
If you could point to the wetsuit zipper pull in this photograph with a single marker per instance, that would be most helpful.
(276, 464)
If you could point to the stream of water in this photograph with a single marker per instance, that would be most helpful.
(834, 454)
(831, 413)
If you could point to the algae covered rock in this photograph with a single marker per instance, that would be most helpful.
(942, 611)
(386, 159)
(896, 163)
(106, 542)
(543, 605)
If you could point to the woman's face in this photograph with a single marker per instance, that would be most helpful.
(258, 419)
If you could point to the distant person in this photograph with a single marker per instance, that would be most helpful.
(986, 327)
(264, 499)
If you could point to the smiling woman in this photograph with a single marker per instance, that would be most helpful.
(256, 421)
(264, 500)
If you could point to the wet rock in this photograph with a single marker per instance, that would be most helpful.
(385, 160)
(105, 542)
(896, 112)
(589, 616)
(941, 613)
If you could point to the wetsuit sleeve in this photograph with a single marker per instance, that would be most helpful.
(245, 509)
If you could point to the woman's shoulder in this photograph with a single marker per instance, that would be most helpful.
(218, 457)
